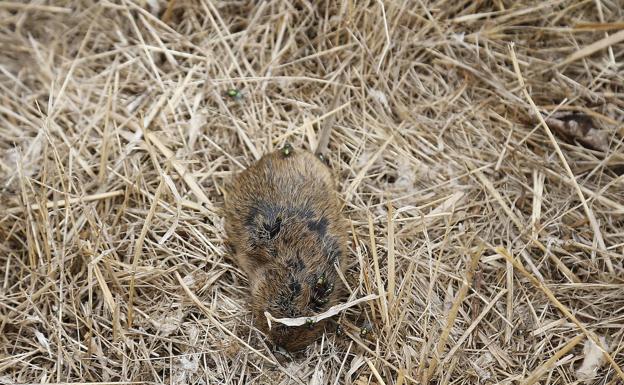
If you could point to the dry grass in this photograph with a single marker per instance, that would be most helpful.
(496, 247)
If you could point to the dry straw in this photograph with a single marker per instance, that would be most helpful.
(491, 242)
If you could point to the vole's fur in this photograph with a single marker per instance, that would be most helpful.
(286, 233)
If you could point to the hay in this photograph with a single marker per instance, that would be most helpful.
(494, 242)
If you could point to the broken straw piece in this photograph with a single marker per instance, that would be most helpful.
(43, 341)
(332, 311)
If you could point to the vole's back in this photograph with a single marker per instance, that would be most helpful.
(277, 192)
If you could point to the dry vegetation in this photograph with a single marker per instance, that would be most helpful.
(496, 245)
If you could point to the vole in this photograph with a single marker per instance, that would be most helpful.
(286, 232)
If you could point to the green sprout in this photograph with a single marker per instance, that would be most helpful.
(234, 93)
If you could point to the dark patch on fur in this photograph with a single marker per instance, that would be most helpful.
(271, 214)
(296, 264)
(286, 296)
(286, 305)
(295, 287)
(319, 227)
(311, 279)
(272, 229)
(266, 210)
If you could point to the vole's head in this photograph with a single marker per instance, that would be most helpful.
(301, 280)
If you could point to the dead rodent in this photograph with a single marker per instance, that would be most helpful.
(286, 232)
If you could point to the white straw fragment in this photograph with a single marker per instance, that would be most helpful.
(332, 311)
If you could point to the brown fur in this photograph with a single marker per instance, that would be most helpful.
(286, 233)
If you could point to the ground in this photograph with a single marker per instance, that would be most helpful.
(491, 229)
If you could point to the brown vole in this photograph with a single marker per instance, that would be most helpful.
(286, 233)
